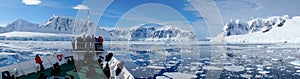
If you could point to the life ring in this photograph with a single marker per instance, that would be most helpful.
(59, 57)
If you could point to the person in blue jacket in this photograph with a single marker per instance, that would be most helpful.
(96, 43)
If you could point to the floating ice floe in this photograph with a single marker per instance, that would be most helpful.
(258, 76)
(264, 72)
(234, 68)
(161, 77)
(156, 67)
(249, 68)
(297, 70)
(259, 69)
(178, 75)
(199, 72)
(275, 59)
(297, 67)
(196, 63)
(268, 67)
(246, 75)
(297, 62)
(211, 68)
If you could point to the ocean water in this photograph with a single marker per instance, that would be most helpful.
(181, 60)
(210, 61)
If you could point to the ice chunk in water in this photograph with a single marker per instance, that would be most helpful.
(234, 68)
(297, 62)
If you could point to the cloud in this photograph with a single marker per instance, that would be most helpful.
(81, 7)
(32, 2)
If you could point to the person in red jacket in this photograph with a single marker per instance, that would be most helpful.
(101, 43)
(39, 61)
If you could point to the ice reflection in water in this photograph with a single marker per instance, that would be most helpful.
(241, 61)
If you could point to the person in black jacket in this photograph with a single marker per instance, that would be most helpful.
(108, 57)
(119, 69)
(106, 71)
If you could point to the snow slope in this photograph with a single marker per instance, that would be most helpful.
(239, 27)
(287, 32)
(154, 32)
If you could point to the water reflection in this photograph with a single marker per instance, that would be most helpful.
(140, 58)
(197, 61)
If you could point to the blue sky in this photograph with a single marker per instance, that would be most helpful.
(38, 11)
(12, 10)
(159, 8)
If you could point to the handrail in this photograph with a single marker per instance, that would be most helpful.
(27, 66)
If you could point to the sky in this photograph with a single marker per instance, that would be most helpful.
(35, 11)
(133, 12)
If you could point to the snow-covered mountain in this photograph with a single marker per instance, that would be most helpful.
(236, 27)
(58, 24)
(239, 27)
(63, 26)
(144, 31)
(2, 29)
(271, 30)
(19, 25)
(154, 32)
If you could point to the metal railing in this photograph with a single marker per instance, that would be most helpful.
(25, 68)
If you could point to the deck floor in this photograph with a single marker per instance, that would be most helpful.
(67, 70)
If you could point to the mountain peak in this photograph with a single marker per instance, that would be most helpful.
(19, 25)
(19, 21)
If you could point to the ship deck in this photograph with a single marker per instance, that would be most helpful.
(67, 70)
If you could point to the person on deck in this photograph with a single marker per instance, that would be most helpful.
(101, 43)
(73, 42)
(96, 43)
(119, 68)
(108, 57)
(39, 61)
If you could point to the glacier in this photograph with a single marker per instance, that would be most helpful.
(276, 29)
